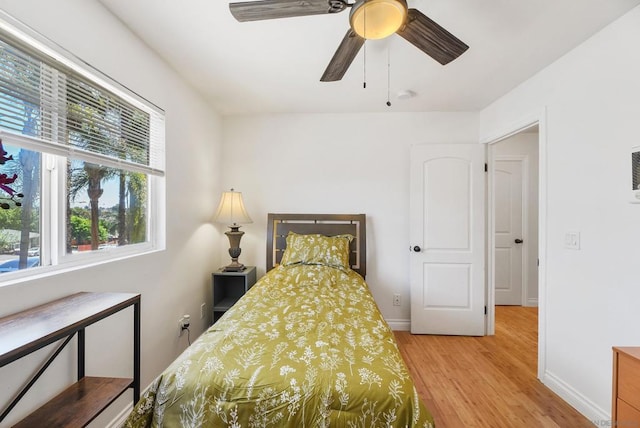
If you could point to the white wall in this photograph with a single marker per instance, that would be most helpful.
(592, 102)
(346, 163)
(172, 282)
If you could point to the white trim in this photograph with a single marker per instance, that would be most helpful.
(578, 401)
(532, 302)
(542, 243)
(48, 194)
(121, 418)
(514, 128)
(525, 122)
(399, 324)
(490, 319)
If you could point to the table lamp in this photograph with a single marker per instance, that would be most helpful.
(231, 212)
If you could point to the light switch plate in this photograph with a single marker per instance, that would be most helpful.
(572, 240)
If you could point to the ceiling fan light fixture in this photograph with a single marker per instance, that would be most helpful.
(377, 19)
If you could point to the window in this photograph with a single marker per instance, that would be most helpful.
(82, 159)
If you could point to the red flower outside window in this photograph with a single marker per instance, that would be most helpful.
(5, 181)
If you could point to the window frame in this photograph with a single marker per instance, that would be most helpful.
(53, 161)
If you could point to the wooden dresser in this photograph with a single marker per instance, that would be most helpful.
(626, 387)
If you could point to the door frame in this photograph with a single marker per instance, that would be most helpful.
(523, 123)
(524, 184)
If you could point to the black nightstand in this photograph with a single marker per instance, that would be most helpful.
(229, 287)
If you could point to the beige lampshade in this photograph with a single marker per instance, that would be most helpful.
(231, 209)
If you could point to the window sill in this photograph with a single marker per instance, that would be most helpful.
(73, 263)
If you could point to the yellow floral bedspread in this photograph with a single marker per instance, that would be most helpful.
(305, 347)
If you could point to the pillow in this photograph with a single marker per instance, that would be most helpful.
(317, 249)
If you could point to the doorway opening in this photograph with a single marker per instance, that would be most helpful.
(515, 224)
(514, 204)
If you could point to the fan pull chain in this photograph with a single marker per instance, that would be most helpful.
(364, 66)
(388, 76)
(364, 54)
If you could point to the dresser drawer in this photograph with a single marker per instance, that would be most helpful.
(629, 380)
(627, 416)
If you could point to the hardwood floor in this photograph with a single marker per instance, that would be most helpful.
(487, 381)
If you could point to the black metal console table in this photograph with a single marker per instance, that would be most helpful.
(32, 329)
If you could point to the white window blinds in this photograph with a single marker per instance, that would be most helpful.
(60, 110)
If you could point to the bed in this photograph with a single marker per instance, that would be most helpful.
(306, 346)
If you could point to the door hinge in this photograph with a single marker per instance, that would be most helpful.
(485, 310)
(486, 167)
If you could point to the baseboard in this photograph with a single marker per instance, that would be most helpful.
(120, 419)
(532, 301)
(582, 404)
(400, 325)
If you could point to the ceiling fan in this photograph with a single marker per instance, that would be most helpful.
(369, 19)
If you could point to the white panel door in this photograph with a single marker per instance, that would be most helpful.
(508, 231)
(447, 232)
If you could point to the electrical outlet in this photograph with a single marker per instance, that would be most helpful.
(183, 324)
(203, 310)
(396, 300)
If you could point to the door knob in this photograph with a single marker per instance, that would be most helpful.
(519, 241)
(417, 249)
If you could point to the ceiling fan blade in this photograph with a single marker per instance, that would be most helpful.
(431, 38)
(273, 9)
(342, 59)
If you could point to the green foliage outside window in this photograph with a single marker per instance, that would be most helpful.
(81, 230)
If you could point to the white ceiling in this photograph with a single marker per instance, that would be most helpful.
(275, 66)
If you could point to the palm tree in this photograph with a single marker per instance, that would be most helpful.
(137, 225)
(85, 124)
(132, 184)
(103, 126)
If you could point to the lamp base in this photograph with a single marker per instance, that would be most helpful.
(234, 250)
(233, 267)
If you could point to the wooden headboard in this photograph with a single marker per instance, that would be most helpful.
(279, 225)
